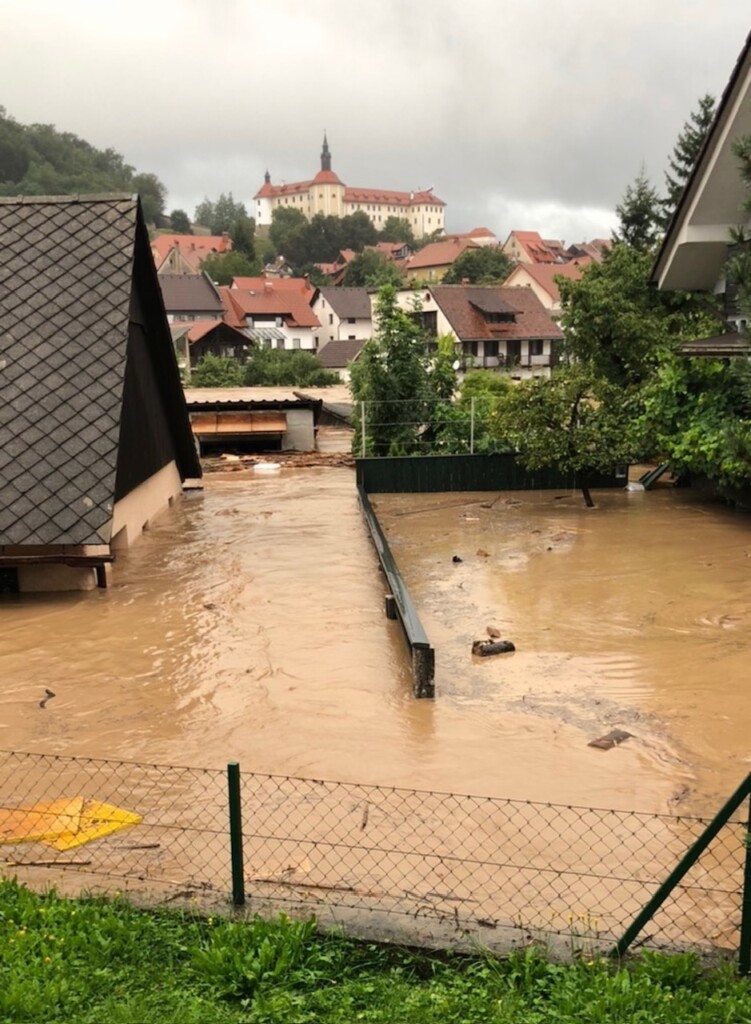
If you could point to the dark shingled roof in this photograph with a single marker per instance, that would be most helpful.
(335, 355)
(66, 278)
(348, 302)
(190, 293)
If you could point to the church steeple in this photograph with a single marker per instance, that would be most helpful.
(325, 155)
(267, 178)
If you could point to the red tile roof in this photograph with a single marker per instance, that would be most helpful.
(195, 248)
(351, 194)
(280, 284)
(534, 246)
(326, 178)
(462, 305)
(391, 197)
(233, 315)
(545, 274)
(270, 300)
(439, 254)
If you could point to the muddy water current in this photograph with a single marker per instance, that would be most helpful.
(248, 625)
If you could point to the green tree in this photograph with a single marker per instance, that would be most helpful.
(398, 229)
(685, 153)
(575, 421)
(217, 372)
(356, 231)
(219, 215)
(640, 215)
(484, 265)
(617, 325)
(180, 222)
(371, 269)
(285, 233)
(38, 159)
(697, 415)
(222, 267)
(392, 378)
(278, 368)
(153, 197)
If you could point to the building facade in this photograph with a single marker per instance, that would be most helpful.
(328, 195)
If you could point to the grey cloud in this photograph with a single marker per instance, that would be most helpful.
(516, 109)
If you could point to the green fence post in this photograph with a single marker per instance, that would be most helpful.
(744, 950)
(686, 862)
(236, 833)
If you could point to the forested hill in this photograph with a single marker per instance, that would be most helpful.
(37, 159)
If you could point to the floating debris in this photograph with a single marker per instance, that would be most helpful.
(485, 648)
(611, 739)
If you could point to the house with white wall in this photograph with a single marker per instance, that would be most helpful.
(343, 313)
(275, 312)
(493, 327)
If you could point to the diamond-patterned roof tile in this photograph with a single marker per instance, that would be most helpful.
(65, 290)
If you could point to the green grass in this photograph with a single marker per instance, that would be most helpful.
(104, 962)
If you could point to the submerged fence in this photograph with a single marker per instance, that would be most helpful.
(418, 866)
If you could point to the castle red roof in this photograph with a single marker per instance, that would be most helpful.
(326, 178)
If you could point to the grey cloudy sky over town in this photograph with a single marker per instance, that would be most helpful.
(531, 114)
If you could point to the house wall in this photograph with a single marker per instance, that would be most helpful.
(339, 329)
(264, 207)
(130, 516)
(519, 278)
(406, 298)
(305, 335)
(327, 199)
(133, 513)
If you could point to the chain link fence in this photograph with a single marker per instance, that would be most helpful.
(418, 866)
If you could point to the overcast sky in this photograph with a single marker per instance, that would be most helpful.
(530, 114)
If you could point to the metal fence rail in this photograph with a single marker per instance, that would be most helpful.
(443, 865)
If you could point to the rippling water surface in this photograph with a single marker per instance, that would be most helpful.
(248, 625)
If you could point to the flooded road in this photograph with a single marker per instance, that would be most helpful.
(248, 625)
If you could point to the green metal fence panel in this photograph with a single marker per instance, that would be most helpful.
(433, 473)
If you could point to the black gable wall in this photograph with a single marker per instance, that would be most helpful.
(145, 436)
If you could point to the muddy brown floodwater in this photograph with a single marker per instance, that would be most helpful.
(248, 625)
(635, 615)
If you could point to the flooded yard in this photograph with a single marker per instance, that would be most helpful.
(248, 625)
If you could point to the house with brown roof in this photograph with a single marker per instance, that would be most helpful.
(594, 250)
(343, 313)
(494, 327)
(194, 339)
(94, 434)
(542, 278)
(190, 297)
(339, 355)
(434, 261)
(325, 193)
(275, 313)
(184, 254)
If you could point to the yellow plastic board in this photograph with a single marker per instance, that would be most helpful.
(41, 821)
(96, 820)
(63, 824)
